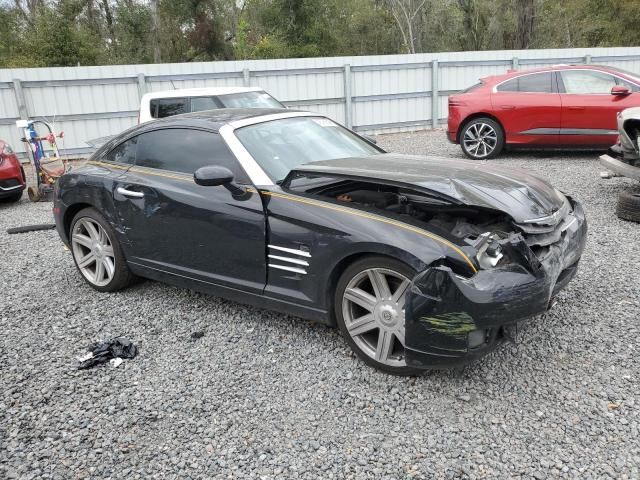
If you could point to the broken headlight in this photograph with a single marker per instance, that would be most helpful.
(489, 250)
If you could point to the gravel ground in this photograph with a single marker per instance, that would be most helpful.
(262, 395)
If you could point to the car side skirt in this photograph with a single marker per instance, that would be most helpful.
(569, 131)
(229, 293)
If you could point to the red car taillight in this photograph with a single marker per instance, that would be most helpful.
(454, 102)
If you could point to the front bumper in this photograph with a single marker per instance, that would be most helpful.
(11, 177)
(10, 186)
(452, 320)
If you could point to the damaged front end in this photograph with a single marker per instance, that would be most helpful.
(452, 319)
(521, 239)
(623, 158)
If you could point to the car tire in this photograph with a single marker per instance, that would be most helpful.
(628, 207)
(369, 317)
(481, 138)
(97, 252)
(13, 197)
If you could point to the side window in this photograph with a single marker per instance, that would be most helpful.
(199, 104)
(535, 83)
(123, 153)
(540, 82)
(186, 150)
(587, 81)
(167, 107)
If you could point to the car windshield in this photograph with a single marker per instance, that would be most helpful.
(280, 146)
(249, 100)
(632, 75)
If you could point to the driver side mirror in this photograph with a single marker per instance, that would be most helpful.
(213, 176)
(620, 90)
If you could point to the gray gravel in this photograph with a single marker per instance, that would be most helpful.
(263, 395)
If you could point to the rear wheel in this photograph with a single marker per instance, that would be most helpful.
(369, 306)
(97, 252)
(629, 206)
(482, 138)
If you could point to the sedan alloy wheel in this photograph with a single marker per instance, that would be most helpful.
(482, 138)
(373, 313)
(93, 251)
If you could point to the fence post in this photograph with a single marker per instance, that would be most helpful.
(20, 99)
(587, 59)
(515, 64)
(435, 96)
(142, 84)
(246, 77)
(347, 96)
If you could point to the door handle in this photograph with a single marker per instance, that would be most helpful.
(507, 107)
(129, 193)
(575, 108)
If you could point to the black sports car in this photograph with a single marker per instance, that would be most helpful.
(421, 262)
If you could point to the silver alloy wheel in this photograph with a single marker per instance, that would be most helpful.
(480, 139)
(373, 312)
(93, 252)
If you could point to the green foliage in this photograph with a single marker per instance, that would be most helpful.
(52, 39)
(131, 28)
(86, 32)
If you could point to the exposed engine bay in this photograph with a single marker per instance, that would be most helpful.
(482, 228)
(458, 220)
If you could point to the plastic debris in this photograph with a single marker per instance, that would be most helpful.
(114, 362)
(102, 352)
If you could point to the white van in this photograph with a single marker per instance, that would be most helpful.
(174, 102)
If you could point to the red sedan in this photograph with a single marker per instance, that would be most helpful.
(12, 178)
(563, 106)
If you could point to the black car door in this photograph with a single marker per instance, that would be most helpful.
(174, 225)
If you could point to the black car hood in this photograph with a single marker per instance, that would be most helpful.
(523, 196)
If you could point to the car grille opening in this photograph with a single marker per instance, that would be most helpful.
(542, 234)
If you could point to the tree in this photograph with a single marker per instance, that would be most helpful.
(68, 32)
(405, 13)
(526, 13)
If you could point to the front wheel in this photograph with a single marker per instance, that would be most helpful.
(97, 253)
(369, 306)
(482, 138)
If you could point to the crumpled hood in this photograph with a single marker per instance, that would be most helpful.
(519, 194)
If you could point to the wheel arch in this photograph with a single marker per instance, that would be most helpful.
(347, 260)
(473, 116)
(70, 213)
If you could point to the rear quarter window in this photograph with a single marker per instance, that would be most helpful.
(123, 153)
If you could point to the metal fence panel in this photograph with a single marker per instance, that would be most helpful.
(383, 93)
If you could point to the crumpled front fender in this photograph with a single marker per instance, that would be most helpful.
(451, 320)
(442, 309)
